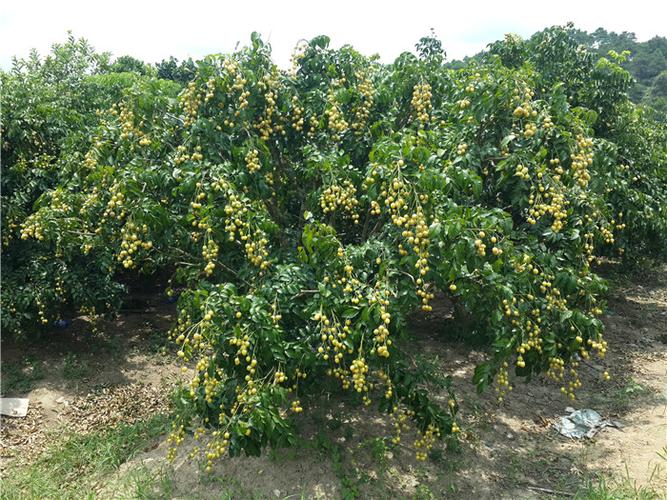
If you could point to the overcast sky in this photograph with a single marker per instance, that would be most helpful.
(192, 28)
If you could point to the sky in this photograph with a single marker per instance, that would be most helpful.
(155, 30)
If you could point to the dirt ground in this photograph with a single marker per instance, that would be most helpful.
(87, 381)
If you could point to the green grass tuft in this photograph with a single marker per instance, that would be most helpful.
(71, 467)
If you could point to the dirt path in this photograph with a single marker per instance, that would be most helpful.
(510, 450)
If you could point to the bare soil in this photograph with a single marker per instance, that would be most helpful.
(508, 450)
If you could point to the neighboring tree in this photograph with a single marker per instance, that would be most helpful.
(129, 64)
(646, 60)
(51, 108)
(171, 69)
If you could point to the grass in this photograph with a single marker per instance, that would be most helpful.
(625, 489)
(19, 377)
(630, 394)
(149, 484)
(75, 368)
(347, 477)
(71, 467)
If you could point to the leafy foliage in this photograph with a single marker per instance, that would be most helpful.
(645, 62)
(305, 214)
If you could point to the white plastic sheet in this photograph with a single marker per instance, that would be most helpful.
(14, 407)
(584, 423)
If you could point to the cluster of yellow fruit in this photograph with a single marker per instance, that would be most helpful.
(7, 236)
(522, 97)
(181, 155)
(175, 438)
(210, 89)
(363, 109)
(235, 210)
(297, 115)
(558, 169)
(533, 330)
(381, 334)
(421, 102)
(131, 242)
(210, 383)
(384, 378)
(210, 254)
(220, 184)
(34, 224)
(549, 202)
(359, 369)
(297, 54)
(524, 111)
(556, 369)
(251, 389)
(502, 382)
(239, 84)
(231, 67)
(255, 247)
(265, 126)
(415, 228)
(91, 156)
(296, 406)
(547, 123)
(242, 345)
(463, 103)
(243, 355)
(607, 233)
(555, 208)
(41, 312)
(32, 228)
(600, 347)
(116, 204)
(91, 199)
(180, 334)
(521, 172)
(279, 377)
(190, 101)
(59, 287)
(529, 130)
(581, 159)
(313, 127)
(269, 179)
(125, 117)
(216, 447)
(197, 155)
(400, 418)
(424, 444)
(452, 407)
(574, 383)
(609, 238)
(394, 195)
(336, 121)
(196, 204)
(332, 336)
(257, 252)
(252, 161)
(461, 149)
(344, 196)
(416, 234)
(557, 372)
(480, 246)
(588, 246)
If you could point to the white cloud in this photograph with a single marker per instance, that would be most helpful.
(155, 30)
